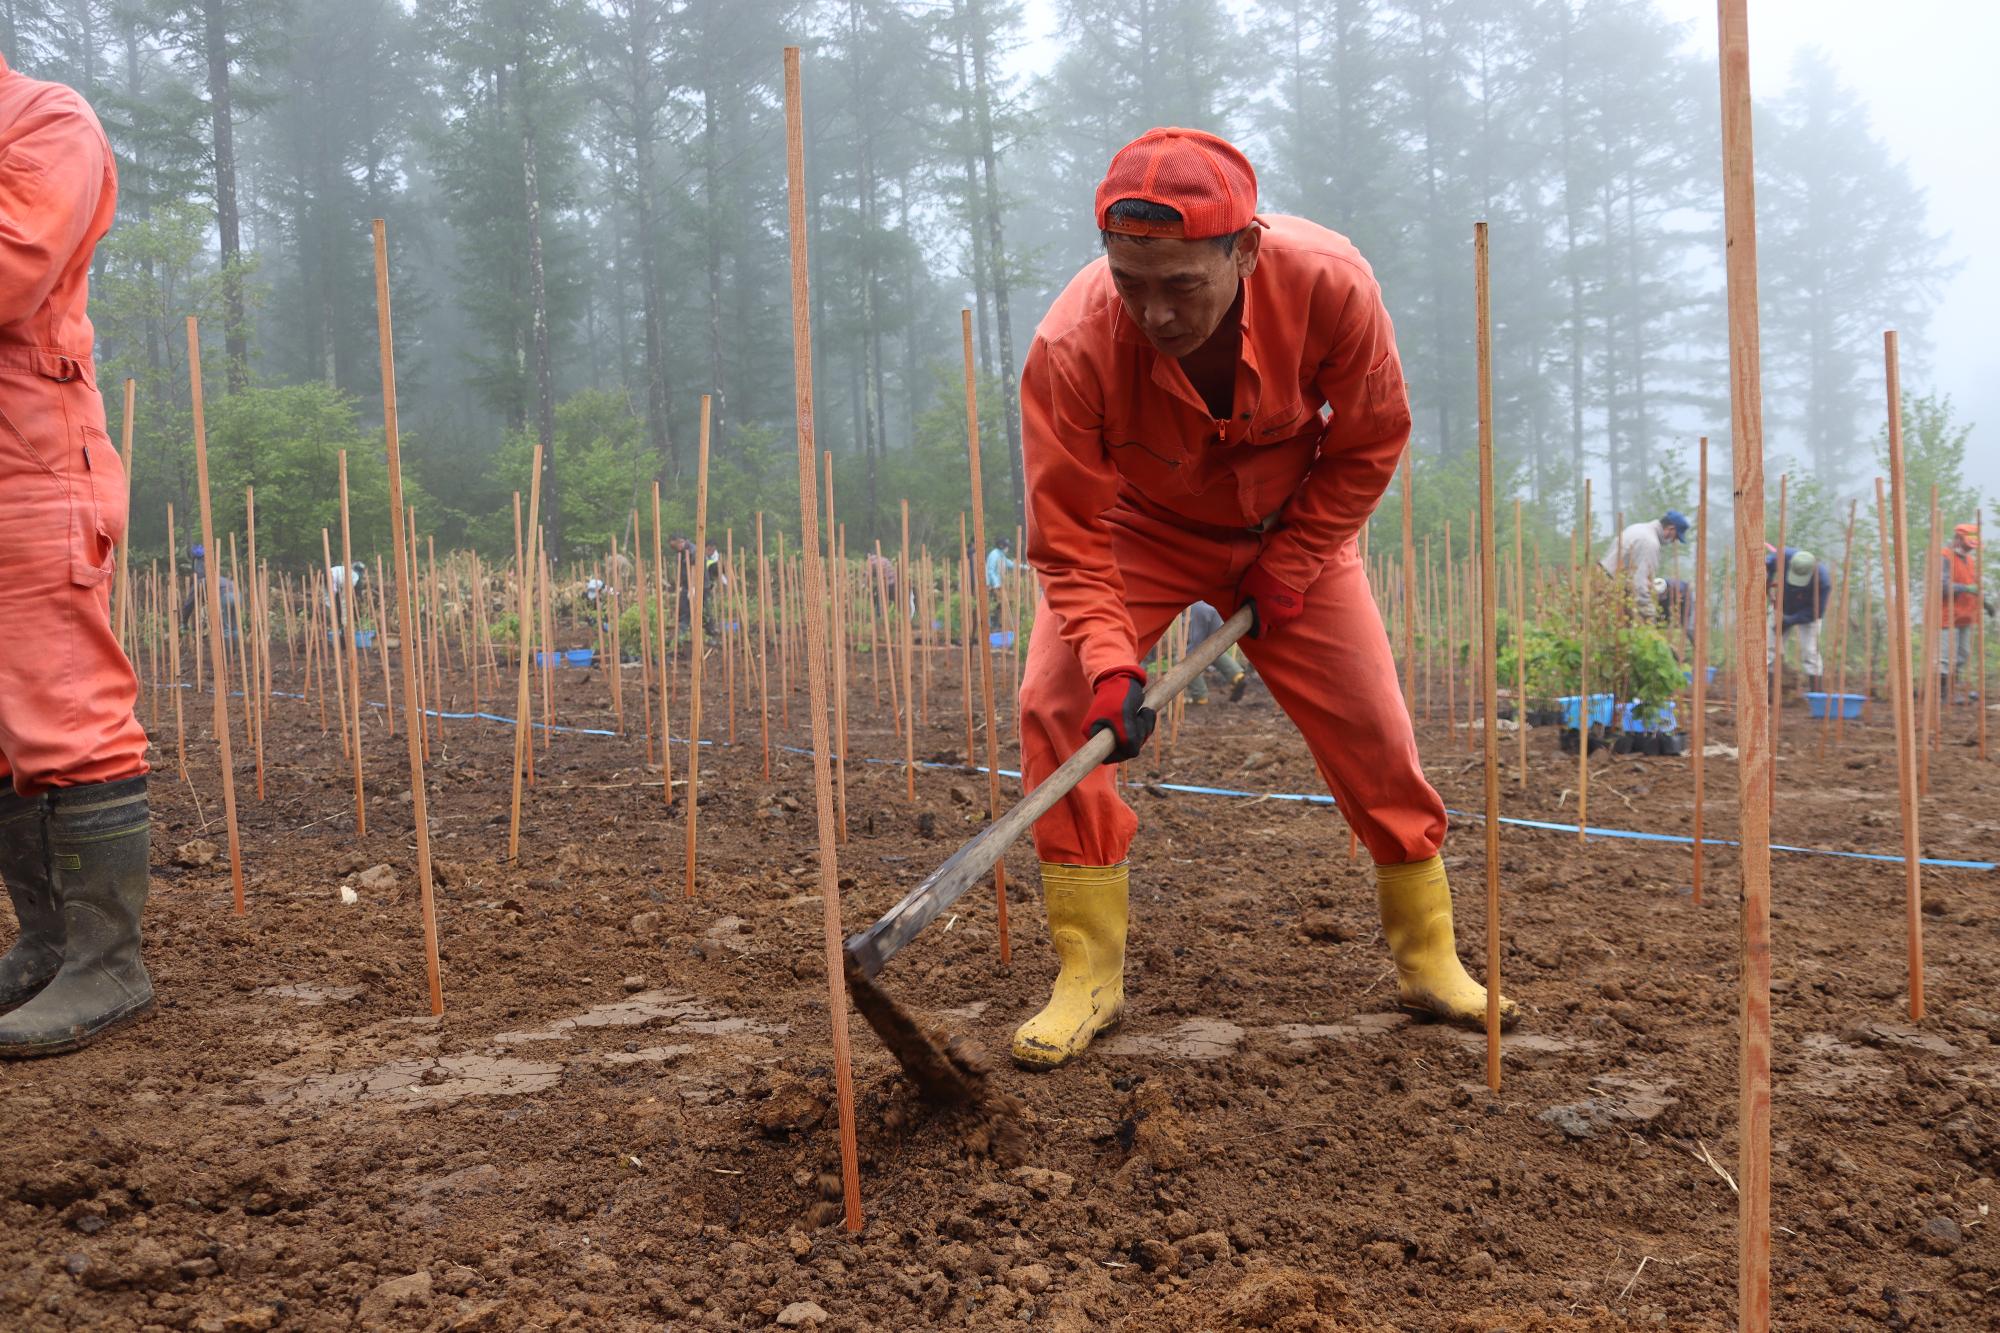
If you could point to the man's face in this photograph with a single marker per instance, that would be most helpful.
(1178, 291)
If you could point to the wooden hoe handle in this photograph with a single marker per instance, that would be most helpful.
(874, 946)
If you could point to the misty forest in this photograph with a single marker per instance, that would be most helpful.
(585, 199)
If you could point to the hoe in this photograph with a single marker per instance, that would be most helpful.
(950, 1071)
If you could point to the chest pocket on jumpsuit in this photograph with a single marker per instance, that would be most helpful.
(1275, 457)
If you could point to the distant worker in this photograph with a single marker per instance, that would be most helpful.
(999, 564)
(1807, 594)
(1635, 556)
(74, 826)
(1961, 600)
(1230, 668)
(342, 582)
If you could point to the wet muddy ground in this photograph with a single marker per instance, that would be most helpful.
(622, 1119)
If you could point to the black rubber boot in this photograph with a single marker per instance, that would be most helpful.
(24, 865)
(99, 838)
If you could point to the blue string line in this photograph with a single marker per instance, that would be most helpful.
(1308, 798)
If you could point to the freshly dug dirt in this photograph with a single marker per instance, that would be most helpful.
(624, 1119)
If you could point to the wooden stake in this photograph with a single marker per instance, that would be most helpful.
(985, 646)
(221, 678)
(382, 645)
(1582, 577)
(259, 632)
(1753, 1314)
(1979, 582)
(120, 627)
(695, 655)
(524, 631)
(815, 592)
(1520, 648)
(334, 613)
(965, 633)
(1410, 591)
(174, 643)
(1489, 680)
(352, 663)
(660, 650)
(244, 665)
(835, 591)
(763, 648)
(1698, 723)
(1835, 704)
(905, 593)
(1896, 601)
(413, 726)
(1774, 598)
(438, 641)
(1930, 604)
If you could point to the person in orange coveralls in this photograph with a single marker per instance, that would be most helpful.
(1210, 412)
(1962, 598)
(74, 828)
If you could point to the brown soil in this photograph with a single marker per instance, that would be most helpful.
(624, 1118)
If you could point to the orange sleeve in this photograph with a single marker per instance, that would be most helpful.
(1071, 483)
(1361, 446)
(51, 178)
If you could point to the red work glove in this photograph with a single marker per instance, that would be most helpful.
(1273, 604)
(1118, 704)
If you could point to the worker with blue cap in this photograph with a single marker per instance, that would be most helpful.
(1636, 553)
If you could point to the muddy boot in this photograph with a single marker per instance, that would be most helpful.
(24, 865)
(1416, 921)
(98, 842)
(1086, 906)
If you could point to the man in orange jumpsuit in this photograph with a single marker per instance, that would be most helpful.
(74, 829)
(1962, 596)
(1210, 413)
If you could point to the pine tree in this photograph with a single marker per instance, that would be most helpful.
(1845, 253)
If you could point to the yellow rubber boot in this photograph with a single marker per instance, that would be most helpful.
(1086, 907)
(1416, 920)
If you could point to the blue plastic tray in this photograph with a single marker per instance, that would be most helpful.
(1849, 704)
(1629, 720)
(1601, 706)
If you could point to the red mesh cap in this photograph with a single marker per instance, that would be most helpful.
(1203, 178)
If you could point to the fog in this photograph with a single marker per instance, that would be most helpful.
(611, 172)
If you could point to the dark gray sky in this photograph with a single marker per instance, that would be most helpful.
(1926, 70)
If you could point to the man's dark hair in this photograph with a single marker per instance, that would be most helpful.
(1144, 210)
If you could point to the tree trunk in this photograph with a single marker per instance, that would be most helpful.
(545, 406)
(228, 225)
(711, 152)
(1010, 401)
(974, 210)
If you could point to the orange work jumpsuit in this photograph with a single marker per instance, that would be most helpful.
(1140, 503)
(66, 690)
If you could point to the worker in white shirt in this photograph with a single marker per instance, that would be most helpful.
(341, 583)
(1636, 553)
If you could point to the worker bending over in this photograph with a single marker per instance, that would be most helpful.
(1211, 411)
(74, 829)
(1808, 593)
(1635, 556)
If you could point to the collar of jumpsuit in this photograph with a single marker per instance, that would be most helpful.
(1168, 375)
